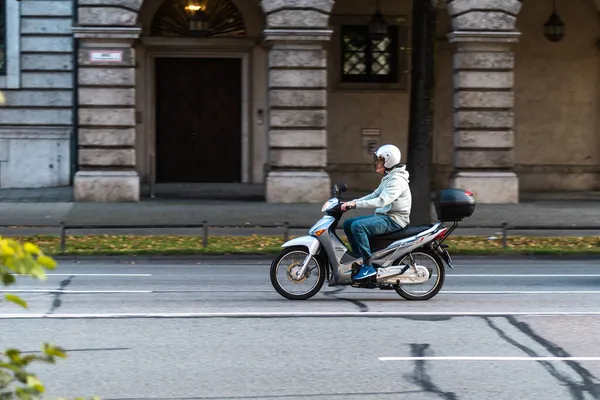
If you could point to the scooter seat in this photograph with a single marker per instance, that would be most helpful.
(403, 233)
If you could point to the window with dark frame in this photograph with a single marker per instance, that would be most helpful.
(2, 37)
(368, 60)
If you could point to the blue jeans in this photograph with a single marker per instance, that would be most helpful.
(359, 229)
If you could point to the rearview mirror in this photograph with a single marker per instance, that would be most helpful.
(336, 190)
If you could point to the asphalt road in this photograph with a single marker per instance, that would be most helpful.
(217, 330)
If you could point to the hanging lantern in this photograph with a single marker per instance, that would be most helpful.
(378, 27)
(198, 20)
(554, 28)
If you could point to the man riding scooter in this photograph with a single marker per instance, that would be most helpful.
(392, 201)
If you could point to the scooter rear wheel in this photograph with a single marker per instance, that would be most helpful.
(441, 277)
(315, 265)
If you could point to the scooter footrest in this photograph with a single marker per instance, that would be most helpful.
(364, 285)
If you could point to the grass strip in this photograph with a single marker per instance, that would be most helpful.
(228, 245)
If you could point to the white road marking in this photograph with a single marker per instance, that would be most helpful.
(363, 291)
(523, 275)
(448, 275)
(134, 291)
(314, 314)
(520, 292)
(556, 263)
(72, 291)
(97, 274)
(453, 358)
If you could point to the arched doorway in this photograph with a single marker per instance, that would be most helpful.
(194, 87)
(198, 100)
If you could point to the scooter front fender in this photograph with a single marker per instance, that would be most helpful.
(310, 242)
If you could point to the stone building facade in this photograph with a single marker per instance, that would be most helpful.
(107, 94)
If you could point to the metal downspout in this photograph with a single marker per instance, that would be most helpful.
(75, 130)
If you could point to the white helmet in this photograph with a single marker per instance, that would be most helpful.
(390, 155)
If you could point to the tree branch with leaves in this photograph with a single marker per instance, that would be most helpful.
(16, 382)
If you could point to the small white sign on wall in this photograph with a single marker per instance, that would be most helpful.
(106, 56)
(370, 142)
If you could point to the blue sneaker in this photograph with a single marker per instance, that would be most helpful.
(364, 272)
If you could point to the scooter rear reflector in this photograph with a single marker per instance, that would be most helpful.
(441, 234)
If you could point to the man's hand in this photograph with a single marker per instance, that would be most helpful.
(348, 205)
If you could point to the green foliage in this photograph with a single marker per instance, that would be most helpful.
(15, 381)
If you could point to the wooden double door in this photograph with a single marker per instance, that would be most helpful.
(198, 120)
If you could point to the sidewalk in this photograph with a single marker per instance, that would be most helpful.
(244, 206)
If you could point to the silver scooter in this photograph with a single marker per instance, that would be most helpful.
(405, 260)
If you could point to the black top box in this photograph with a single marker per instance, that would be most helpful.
(454, 204)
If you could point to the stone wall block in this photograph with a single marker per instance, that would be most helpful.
(299, 158)
(269, 6)
(106, 137)
(130, 4)
(298, 58)
(462, 6)
(484, 60)
(46, 26)
(107, 157)
(106, 186)
(484, 21)
(50, 44)
(35, 116)
(298, 78)
(110, 97)
(299, 118)
(54, 62)
(297, 138)
(107, 76)
(484, 158)
(464, 99)
(98, 16)
(492, 187)
(47, 80)
(107, 116)
(485, 139)
(483, 119)
(298, 187)
(36, 98)
(483, 80)
(298, 98)
(45, 8)
(298, 19)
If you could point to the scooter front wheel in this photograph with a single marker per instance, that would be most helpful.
(285, 276)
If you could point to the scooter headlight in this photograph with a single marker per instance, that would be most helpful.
(328, 204)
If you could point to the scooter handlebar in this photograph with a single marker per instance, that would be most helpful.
(348, 208)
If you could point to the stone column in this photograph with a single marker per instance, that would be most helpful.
(106, 115)
(296, 33)
(484, 99)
